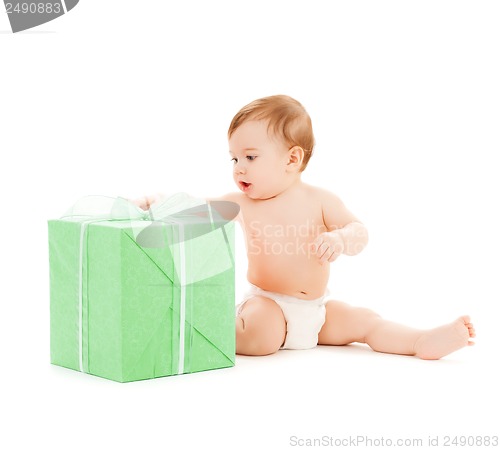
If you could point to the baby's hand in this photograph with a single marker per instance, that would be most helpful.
(328, 246)
(147, 200)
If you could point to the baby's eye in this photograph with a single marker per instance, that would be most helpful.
(234, 160)
(251, 158)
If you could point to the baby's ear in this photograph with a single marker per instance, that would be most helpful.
(295, 158)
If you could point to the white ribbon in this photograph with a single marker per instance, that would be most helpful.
(182, 280)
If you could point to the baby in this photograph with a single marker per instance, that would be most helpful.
(293, 232)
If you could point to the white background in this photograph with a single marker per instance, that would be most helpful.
(121, 97)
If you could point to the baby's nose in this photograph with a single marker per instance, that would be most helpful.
(239, 168)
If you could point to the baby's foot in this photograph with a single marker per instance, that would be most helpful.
(441, 341)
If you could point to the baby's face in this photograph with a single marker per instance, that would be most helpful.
(259, 159)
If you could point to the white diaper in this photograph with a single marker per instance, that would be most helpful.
(304, 318)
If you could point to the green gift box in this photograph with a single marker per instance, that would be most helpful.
(137, 295)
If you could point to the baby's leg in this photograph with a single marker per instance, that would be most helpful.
(345, 324)
(260, 327)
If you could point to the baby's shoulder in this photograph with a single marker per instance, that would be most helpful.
(322, 195)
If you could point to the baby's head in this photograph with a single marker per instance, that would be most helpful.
(271, 141)
(287, 120)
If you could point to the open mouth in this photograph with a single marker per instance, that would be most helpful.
(244, 186)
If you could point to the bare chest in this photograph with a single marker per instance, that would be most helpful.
(290, 223)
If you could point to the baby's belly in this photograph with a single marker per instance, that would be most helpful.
(296, 275)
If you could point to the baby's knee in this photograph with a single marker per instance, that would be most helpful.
(255, 340)
(261, 328)
(253, 344)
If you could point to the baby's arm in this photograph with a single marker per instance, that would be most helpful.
(345, 235)
(146, 201)
(233, 197)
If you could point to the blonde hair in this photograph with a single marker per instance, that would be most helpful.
(287, 118)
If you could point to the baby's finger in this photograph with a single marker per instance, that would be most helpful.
(324, 252)
(140, 202)
(333, 256)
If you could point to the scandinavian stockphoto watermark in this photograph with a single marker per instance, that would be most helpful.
(25, 14)
(292, 239)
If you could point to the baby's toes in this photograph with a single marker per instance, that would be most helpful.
(465, 320)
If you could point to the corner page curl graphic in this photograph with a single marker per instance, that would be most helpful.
(25, 14)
